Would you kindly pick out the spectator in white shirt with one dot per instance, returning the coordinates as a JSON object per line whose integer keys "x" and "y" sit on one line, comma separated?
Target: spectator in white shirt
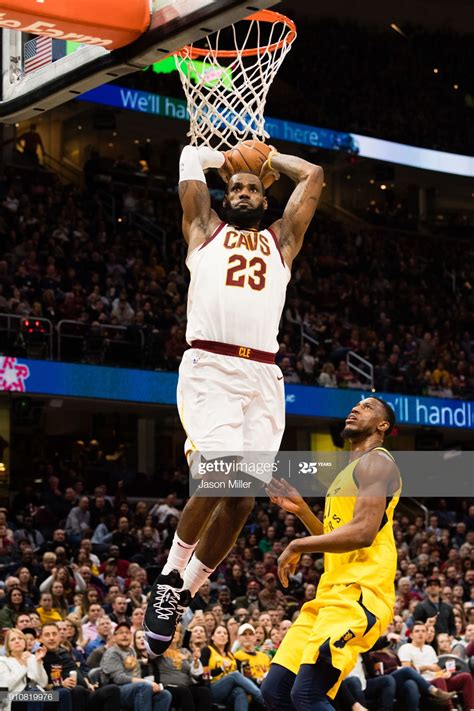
{"x": 162, "y": 511}
{"x": 419, "y": 655}
{"x": 423, "y": 658}
{"x": 19, "y": 666}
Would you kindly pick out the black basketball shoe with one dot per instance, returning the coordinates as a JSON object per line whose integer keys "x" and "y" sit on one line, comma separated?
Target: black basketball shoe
{"x": 166, "y": 606}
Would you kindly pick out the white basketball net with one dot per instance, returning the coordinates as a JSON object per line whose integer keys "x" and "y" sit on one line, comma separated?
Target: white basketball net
{"x": 226, "y": 96}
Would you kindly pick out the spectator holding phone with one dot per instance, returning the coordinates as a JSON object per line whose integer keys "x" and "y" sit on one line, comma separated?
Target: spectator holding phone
{"x": 19, "y": 666}
{"x": 434, "y": 611}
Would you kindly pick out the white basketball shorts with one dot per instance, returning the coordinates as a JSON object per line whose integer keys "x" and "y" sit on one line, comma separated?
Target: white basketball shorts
{"x": 230, "y": 405}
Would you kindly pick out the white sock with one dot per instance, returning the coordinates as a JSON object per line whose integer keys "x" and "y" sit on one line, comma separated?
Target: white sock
{"x": 179, "y": 555}
{"x": 195, "y": 575}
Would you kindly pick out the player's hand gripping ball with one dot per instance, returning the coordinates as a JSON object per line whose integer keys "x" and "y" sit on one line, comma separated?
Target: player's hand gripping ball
{"x": 250, "y": 157}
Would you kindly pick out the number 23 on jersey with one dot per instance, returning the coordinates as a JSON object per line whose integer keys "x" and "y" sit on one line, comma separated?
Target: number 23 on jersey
{"x": 246, "y": 272}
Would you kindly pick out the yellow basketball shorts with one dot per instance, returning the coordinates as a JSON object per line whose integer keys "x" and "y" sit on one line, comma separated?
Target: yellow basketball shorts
{"x": 340, "y": 623}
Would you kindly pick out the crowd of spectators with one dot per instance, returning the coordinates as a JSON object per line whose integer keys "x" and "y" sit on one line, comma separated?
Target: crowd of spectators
{"x": 375, "y": 82}
{"x": 76, "y": 569}
{"x": 403, "y": 303}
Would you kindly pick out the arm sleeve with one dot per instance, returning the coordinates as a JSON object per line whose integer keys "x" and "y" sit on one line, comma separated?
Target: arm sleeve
{"x": 94, "y": 659}
{"x": 420, "y": 614}
{"x": 155, "y": 666}
{"x": 70, "y": 522}
{"x": 205, "y": 656}
{"x": 80, "y": 582}
{"x": 194, "y": 161}
{"x": 112, "y": 666}
{"x": 452, "y": 623}
{"x": 11, "y": 677}
{"x": 196, "y": 671}
{"x": 381, "y": 643}
{"x": 37, "y": 672}
{"x": 404, "y": 654}
{"x": 46, "y": 584}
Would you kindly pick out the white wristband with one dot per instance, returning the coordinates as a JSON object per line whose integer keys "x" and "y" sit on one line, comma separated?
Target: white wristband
{"x": 190, "y": 167}
{"x": 194, "y": 161}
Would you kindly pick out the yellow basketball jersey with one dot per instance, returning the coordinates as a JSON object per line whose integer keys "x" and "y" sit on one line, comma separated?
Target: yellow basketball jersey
{"x": 373, "y": 567}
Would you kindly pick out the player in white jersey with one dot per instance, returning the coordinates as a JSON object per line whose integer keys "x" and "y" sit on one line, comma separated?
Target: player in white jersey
{"x": 230, "y": 392}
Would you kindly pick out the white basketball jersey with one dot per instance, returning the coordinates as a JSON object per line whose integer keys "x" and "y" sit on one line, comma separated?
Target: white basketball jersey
{"x": 237, "y": 290}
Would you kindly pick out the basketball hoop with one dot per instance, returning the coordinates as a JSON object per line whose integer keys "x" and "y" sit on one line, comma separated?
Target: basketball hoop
{"x": 226, "y": 81}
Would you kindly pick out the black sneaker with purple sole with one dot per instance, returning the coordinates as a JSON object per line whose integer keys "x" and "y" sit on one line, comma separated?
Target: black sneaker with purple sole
{"x": 166, "y": 606}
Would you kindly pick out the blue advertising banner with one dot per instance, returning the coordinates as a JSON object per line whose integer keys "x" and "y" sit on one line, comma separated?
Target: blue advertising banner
{"x": 376, "y": 148}
{"x": 409, "y": 409}
{"x": 41, "y": 377}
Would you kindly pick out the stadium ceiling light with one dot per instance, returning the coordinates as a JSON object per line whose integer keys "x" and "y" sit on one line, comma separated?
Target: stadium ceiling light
{"x": 383, "y": 186}
{"x": 397, "y": 29}
{"x": 455, "y": 86}
{"x": 436, "y": 70}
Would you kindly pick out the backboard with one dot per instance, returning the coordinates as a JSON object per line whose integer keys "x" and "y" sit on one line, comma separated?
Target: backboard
{"x": 77, "y": 51}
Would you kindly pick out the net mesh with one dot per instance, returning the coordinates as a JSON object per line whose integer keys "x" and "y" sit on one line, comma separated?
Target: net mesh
{"x": 226, "y": 79}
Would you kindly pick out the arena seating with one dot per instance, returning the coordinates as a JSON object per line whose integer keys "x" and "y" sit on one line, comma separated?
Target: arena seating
{"x": 113, "y": 291}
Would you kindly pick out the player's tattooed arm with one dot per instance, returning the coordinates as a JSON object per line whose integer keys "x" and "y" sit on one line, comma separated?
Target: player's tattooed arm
{"x": 199, "y": 220}
{"x": 302, "y": 204}
{"x": 198, "y": 217}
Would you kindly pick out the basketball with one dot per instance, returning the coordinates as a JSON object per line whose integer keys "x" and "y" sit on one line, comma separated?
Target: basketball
{"x": 249, "y": 157}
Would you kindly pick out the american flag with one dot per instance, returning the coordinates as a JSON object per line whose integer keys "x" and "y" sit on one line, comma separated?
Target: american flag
{"x": 37, "y": 53}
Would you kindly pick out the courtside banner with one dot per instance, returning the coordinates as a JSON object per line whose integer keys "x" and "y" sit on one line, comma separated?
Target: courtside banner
{"x": 41, "y": 377}
{"x": 108, "y": 24}
{"x": 378, "y": 149}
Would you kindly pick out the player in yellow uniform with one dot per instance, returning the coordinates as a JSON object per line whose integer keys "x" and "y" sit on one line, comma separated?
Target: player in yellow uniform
{"x": 355, "y": 596}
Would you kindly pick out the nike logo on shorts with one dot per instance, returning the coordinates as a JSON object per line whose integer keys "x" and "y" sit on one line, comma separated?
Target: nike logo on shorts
{"x": 279, "y": 377}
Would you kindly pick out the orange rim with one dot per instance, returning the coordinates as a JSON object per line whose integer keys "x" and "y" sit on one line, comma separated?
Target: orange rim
{"x": 191, "y": 52}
